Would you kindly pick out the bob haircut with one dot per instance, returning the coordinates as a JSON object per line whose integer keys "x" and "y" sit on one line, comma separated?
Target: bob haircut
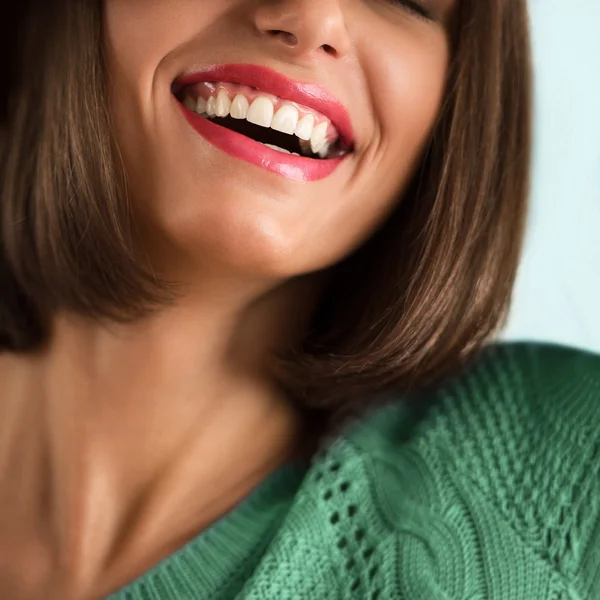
{"x": 410, "y": 306}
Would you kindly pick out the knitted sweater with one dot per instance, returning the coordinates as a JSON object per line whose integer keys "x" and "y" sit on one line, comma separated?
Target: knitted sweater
{"x": 487, "y": 488}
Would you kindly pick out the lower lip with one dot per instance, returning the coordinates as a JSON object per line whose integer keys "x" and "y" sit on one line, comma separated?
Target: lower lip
{"x": 235, "y": 144}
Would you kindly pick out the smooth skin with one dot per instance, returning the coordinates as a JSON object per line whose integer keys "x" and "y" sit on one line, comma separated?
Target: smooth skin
{"x": 118, "y": 443}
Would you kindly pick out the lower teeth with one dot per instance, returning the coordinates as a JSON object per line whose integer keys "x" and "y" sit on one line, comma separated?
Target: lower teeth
{"x": 280, "y": 149}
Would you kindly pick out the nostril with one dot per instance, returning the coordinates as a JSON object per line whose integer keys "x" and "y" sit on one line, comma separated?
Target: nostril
{"x": 291, "y": 40}
{"x": 288, "y": 38}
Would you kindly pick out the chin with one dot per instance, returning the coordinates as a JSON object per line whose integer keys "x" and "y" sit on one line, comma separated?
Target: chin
{"x": 241, "y": 236}
{"x": 222, "y": 215}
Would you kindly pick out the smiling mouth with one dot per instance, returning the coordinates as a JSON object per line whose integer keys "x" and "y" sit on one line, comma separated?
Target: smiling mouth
{"x": 284, "y": 126}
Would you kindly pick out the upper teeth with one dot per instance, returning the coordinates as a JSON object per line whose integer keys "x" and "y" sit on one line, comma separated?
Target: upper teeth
{"x": 261, "y": 111}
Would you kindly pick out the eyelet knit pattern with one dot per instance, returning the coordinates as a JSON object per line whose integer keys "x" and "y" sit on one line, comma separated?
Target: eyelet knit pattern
{"x": 486, "y": 489}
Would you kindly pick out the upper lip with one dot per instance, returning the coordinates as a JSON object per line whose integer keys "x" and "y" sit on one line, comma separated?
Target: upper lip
{"x": 267, "y": 80}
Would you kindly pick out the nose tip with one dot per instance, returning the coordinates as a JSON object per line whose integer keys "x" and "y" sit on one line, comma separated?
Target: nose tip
{"x": 304, "y": 27}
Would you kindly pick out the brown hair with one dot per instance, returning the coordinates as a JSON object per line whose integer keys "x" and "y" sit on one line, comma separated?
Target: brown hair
{"x": 408, "y": 307}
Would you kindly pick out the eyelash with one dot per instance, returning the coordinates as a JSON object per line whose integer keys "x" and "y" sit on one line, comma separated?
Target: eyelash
{"x": 415, "y": 7}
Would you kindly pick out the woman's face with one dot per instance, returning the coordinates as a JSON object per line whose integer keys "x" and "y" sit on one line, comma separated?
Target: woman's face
{"x": 363, "y": 79}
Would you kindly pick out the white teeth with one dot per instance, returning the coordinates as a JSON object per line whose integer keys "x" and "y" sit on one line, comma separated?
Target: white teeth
{"x": 261, "y": 112}
{"x": 305, "y": 127}
{"x": 211, "y": 107}
{"x": 317, "y": 139}
{"x": 308, "y": 150}
{"x": 313, "y": 138}
{"x": 239, "y": 107}
{"x": 200, "y": 107}
{"x": 189, "y": 103}
{"x": 324, "y": 150}
{"x": 223, "y": 104}
{"x": 286, "y": 119}
{"x": 277, "y": 148}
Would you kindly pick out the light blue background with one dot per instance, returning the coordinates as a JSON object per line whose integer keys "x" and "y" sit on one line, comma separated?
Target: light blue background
{"x": 557, "y": 297}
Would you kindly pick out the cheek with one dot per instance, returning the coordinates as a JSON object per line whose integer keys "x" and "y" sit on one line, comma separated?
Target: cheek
{"x": 142, "y": 32}
{"x": 131, "y": 61}
{"x": 139, "y": 37}
{"x": 408, "y": 80}
{"x": 407, "y": 89}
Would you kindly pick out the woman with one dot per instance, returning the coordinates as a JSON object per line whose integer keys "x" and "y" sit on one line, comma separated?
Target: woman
{"x": 233, "y": 370}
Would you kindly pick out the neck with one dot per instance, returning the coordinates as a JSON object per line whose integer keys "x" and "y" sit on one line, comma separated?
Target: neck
{"x": 156, "y": 426}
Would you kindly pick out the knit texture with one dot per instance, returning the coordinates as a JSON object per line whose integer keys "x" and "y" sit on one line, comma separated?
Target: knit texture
{"x": 487, "y": 488}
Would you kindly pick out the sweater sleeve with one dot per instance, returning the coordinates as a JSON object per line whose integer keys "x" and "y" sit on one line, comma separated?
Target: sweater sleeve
{"x": 495, "y": 492}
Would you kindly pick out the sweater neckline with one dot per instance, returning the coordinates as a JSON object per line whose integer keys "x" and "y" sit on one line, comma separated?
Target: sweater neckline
{"x": 216, "y": 550}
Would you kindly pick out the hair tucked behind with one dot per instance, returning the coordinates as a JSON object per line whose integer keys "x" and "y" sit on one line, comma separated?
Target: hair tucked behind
{"x": 405, "y": 309}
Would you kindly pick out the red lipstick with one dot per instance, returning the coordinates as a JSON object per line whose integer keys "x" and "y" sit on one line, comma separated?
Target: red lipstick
{"x": 235, "y": 144}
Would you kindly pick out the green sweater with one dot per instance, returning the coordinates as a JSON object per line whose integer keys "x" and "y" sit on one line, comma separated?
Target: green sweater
{"x": 486, "y": 489}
